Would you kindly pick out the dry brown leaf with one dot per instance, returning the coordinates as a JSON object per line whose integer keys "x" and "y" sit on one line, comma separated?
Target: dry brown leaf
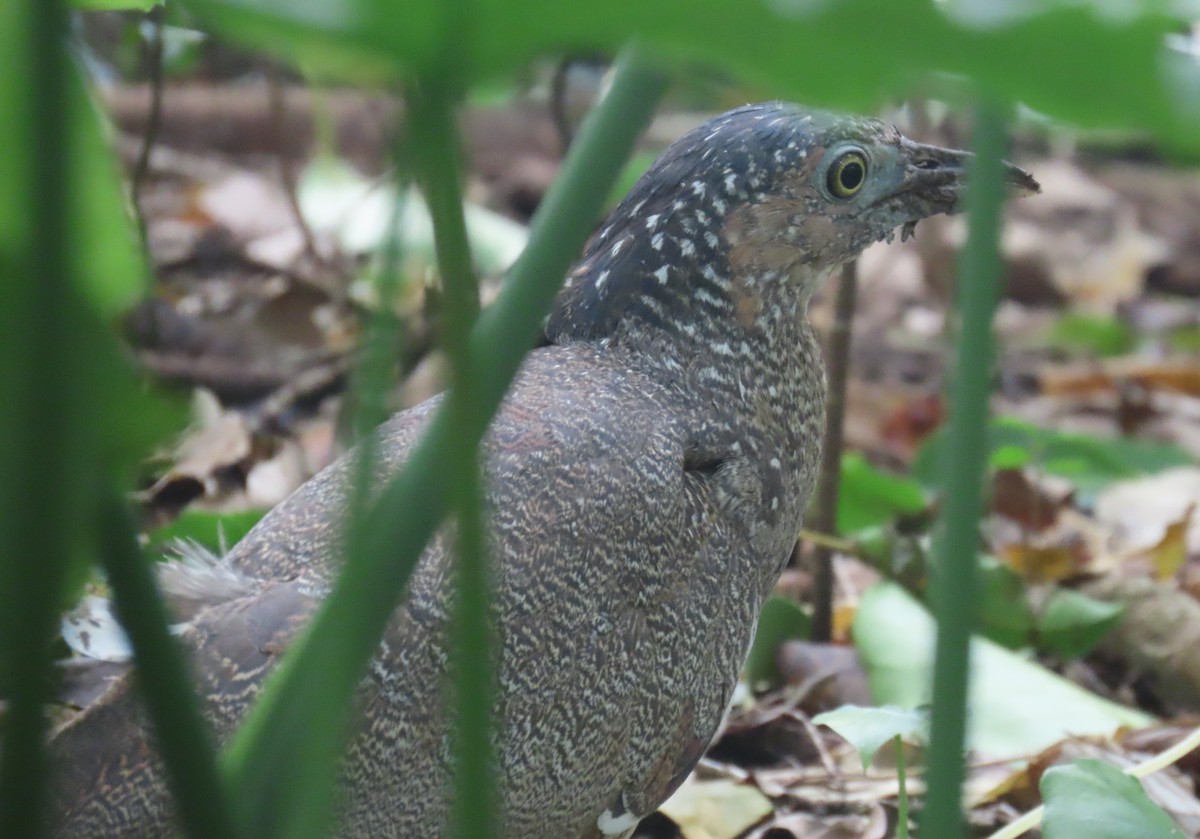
{"x": 1116, "y": 375}
{"x": 1044, "y": 563}
{"x": 1139, "y": 512}
{"x": 221, "y": 443}
{"x": 869, "y": 825}
{"x": 1167, "y": 557}
{"x": 1032, "y": 501}
{"x": 843, "y": 621}
{"x": 910, "y": 422}
{"x": 832, "y": 674}
{"x": 719, "y": 809}
{"x": 1080, "y": 239}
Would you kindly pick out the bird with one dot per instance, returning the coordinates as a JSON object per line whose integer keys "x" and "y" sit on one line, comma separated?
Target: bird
{"x": 645, "y": 481}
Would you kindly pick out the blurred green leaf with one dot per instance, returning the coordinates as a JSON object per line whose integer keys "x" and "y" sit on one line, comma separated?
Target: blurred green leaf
{"x": 1185, "y": 339}
{"x": 1009, "y": 457}
{"x": 115, "y": 5}
{"x": 1089, "y": 462}
{"x": 215, "y": 531}
{"x": 121, "y": 420}
{"x": 1072, "y": 623}
{"x": 869, "y": 729}
{"x": 1069, "y": 49}
{"x": 1097, "y": 800}
{"x": 1017, "y": 706}
{"x": 869, "y": 497}
{"x": 105, "y": 258}
{"x": 781, "y": 620}
{"x": 1100, "y": 336}
{"x": 1005, "y": 614}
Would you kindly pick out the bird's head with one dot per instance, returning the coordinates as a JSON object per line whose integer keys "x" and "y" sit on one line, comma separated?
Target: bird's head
{"x": 840, "y": 183}
{"x": 744, "y": 214}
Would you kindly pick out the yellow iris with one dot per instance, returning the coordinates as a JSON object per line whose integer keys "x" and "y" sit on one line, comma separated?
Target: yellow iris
{"x": 847, "y": 174}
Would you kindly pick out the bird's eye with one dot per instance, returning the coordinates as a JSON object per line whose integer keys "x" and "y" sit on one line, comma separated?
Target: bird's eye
{"x": 847, "y": 174}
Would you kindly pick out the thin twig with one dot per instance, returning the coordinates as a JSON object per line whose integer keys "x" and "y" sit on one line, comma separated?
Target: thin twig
{"x": 828, "y": 482}
{"x": 153, "y": 119}
{"x": 558, "y": 103}
{"x": 277, "y": 109}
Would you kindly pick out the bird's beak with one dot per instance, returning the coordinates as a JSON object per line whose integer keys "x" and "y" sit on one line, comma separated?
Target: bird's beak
{"x": 935, "y": 181}
{"x": 940, "y": 175}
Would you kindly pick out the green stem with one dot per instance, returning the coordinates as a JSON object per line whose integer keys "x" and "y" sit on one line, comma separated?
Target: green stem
{"x": 374, "y": 372}
{"x": 39, "y": 425}
{"x": 180, "y": 732}
{"x": 435, "y": 150}
{"x": 312, "y": 686}
{"x": 957, "y": 543}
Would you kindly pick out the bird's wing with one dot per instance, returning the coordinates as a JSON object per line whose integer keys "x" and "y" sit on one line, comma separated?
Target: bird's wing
{"x": 596, "y": 530}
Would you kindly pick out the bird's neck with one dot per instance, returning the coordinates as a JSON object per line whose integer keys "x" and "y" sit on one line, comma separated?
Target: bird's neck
{"x": 707, "y": 311}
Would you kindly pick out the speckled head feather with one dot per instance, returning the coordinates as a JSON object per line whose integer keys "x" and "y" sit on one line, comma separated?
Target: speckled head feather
{"x": 750, "y": 198}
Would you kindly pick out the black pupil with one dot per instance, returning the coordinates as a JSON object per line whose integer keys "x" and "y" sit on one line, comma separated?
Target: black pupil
{"x": 850, "y": 175}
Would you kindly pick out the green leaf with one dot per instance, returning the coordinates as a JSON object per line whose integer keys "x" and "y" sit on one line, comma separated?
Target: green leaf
{"x": 1017, "y": 706}
{"x": 1185, "y": 339}
{"x": 869, "y": 497}
{"x": 1102, "y": 336}
{"x": 116, "y": 5}
{"x": 868, "y": 729}
{"x": 1095, "y": 799}
{"x": 1072, "y": 623}
{"x": 105, "y": 258}
{"x": 781, "y": 45}
{"x": 215, "y": 531}
{"x": 1089, "y": 462}
{"x": 1005, "y": 614}
{"x": 1009, "y": 457}
{"x": 781, "y": 620}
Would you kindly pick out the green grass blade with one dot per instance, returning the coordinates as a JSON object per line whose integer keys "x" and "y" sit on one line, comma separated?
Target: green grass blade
{"x": 435, "y": 150}
{"x": 39, "y": 394}
{"x": 954, "y": 593}
{"x": 183, "y": 738}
